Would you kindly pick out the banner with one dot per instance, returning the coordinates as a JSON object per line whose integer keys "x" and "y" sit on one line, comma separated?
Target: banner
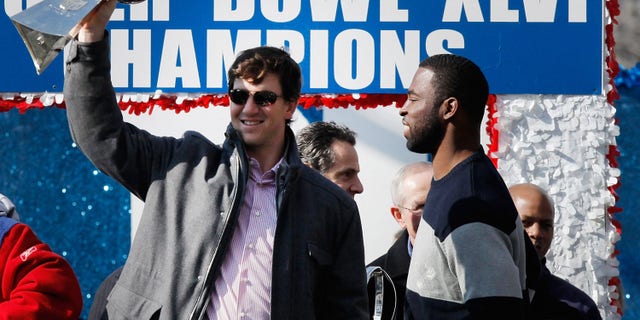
{"x": 343, "y": 46}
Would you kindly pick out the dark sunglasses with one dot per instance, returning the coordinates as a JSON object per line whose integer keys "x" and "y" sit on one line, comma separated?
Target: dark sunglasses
{"x": 261, "y": 98}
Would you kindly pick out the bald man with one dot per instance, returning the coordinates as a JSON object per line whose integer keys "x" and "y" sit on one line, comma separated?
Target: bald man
{"x": 537, "y": 213}
{"x": 409, "y": 190}
{"x": 554, "y": 297}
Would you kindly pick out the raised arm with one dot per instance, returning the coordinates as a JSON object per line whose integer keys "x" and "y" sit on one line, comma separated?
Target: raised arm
{"x": 92, "y": 28}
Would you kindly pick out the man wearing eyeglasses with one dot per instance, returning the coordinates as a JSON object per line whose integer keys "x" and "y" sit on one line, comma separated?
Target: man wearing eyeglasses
{"x": 409, "y": 189}
{"x": 242, "y": 230}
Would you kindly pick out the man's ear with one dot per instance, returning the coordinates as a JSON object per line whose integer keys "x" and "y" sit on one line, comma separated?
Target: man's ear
{"x": 291, "y": 108}
{"x": 451, "y": 106}
{"x": 397, "y": 215}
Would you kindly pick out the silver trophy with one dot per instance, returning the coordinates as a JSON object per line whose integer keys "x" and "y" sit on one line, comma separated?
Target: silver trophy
{"x": 49, "y": 25}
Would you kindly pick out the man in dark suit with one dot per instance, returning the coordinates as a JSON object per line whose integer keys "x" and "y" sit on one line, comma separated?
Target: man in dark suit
{"x": 554, "y": 298}
{"x": 409, "y": 190}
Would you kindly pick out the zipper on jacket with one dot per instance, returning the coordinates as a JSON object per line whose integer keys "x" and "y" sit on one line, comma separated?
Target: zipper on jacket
{"x": 202, "y": 298}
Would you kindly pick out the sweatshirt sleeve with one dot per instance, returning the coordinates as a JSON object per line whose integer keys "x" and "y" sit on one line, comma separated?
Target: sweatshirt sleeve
{"x": 491, "y": 282}
{"x": 36, "y": 283}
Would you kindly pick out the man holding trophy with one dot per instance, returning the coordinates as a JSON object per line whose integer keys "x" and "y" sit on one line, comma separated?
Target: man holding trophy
{"x": 242, "y": 230}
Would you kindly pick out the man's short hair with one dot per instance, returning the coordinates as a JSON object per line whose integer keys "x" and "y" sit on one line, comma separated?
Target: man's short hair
{"x": 252, "y": 65}
{"x": 457, "y": 76}
{"x": 315, "y": 140}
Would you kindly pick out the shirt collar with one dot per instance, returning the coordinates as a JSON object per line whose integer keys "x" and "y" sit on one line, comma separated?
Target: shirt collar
{"x": 256, "y": 174}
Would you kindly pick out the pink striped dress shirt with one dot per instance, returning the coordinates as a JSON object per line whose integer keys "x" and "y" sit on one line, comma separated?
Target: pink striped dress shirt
{"x": 243, "y": 287}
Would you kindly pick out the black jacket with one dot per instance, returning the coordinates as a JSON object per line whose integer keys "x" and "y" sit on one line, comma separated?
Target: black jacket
{"x": 557, "y": 299}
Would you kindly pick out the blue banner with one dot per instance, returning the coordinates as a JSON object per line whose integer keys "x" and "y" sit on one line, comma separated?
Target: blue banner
{"x": 343, "y": 46}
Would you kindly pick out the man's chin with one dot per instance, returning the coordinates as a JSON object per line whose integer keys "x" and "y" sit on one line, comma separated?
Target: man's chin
{"x": 416, "y": 149}
{"x": 539, "y": 250}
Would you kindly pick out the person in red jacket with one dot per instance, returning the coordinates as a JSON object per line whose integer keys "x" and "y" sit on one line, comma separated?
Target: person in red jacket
{"x": 35, "y": 282}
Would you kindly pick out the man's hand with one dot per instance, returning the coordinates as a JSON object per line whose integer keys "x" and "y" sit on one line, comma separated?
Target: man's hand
{"x": 91, "y": 29}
